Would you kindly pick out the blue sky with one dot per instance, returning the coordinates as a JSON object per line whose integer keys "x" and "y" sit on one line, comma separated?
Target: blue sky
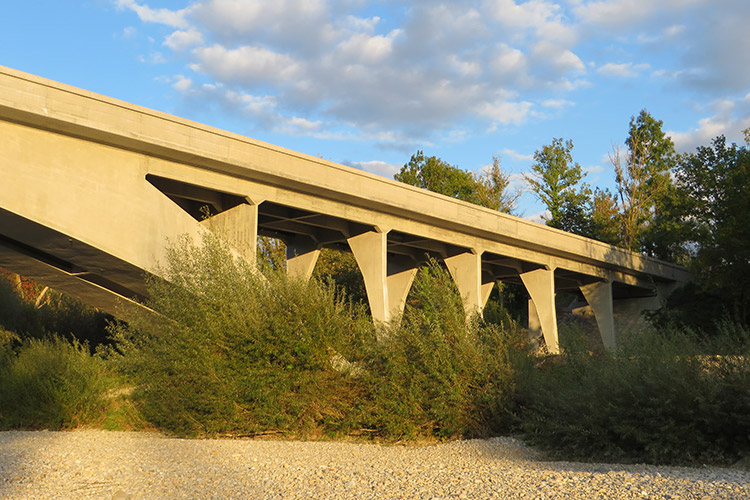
{"x": 368, "y": 83}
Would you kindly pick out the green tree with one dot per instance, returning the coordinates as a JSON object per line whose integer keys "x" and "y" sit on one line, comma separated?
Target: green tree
{"x": 642, "y": 174}
{"x": 489, "y": 189}
{"x": 556, "y": 180}
{"x": 712, "y": 184}
{"x": 604, "y": 217}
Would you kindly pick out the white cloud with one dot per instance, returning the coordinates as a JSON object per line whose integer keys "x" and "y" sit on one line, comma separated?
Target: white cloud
{"x": 247, "y": 65}
{"x": 729, "y": 119}
{"x": 539, "y": 217}
{"x": 181, "y": 40}
{"x": 557, "y": 103}
{"x": 512, "y": 153}
{"x": 153, "y": 58}
{"x": 377, "y": 167}
{"x": 505, "y": 112}
{"x": 176, "y": 19}
{"x": 622, "y": 70}
{"x": 182, "y": 84}
{"x": 418, "y": 75}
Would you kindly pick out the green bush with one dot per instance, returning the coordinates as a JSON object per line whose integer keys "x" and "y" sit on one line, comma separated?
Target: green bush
{"x": 664, "y": 397}
{"x": 239, "y": 352}
{"x": 440, "y": 374}
{"x": 58, "y": 312}
{"x": 50, "y": 384}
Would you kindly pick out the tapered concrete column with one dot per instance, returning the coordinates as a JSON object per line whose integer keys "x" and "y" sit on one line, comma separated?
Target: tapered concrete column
{"x": 387, "y": 281}
{"x": 302, "y": 253}
{"x": 401, "y": 272}
{"x": 599, "y": 297}
{"x": 370, "y": 252}
{"x": 535, "y": 327}
{"x": 540, "y": 284}
{"x": 466, "y": 270}
{"x": 238, "y": 226}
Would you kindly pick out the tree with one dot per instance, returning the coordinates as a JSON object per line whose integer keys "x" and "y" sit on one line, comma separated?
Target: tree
{"x": 556, "y": 180}
{"x": 642, "y": 174}
{"x": 489, "y": 189}
{"x": 712, "y": 184}
{"x": 603, "y": 216}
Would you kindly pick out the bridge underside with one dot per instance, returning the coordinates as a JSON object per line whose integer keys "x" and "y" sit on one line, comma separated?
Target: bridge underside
{"x": 90, "y": 212}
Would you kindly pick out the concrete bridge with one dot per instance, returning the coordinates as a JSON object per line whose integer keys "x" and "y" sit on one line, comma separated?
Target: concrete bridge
{"x": 92, "y": 188}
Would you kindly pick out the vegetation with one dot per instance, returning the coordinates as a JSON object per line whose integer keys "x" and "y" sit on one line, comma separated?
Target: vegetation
{"x": 243, "y": 353}
{"x": 664, "y": 397}
{"x": 489, "y": 189}
{"x": 557, "y": 184}
{"x": 49, "y": 384}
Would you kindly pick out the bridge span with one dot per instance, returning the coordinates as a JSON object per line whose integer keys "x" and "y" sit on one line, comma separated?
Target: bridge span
{"x": 91, "y": 189}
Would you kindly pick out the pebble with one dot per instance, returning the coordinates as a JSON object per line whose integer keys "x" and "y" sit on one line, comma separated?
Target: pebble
{"x": 102, "y": 465}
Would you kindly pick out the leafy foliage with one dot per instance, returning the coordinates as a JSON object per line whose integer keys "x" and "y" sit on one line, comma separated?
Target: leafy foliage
{"x": 490, "y": 189}
{"x": 33, "y": 311}
{"x": 241, "y": 353}
{"x": 642, "y": 175}
{"x": 439, "y": 373}
{"x": 709, "y": 221}
{"x": 663, "y": 398}
{"x": 50, "y": 384}
{"x": 556, "y": 181}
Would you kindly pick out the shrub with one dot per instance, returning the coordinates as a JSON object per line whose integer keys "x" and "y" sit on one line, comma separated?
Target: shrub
{"x": 439, "y": 374}
{"x": 56, "y": 312}
{"x": 664, "y": 397}
{"x": 239, "y": 352}
{"x": 50, "y": 384}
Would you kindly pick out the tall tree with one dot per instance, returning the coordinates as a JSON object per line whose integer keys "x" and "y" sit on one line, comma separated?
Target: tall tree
{"x": 603, "y": 215}
{"x": 642, "y": 174}
{"x": 713, "y": 187}
{"x": 556, "y": 180}
{"x": 488, "y": 189}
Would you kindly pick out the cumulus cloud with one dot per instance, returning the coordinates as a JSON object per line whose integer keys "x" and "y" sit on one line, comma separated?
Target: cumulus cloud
{"x": 181, "y": 40}
{"x": 174, "y": 18}
{"x": 376, "y": 167}
{"x": 623, "y": 70}
{"x": 335, "y": 67}
{"x": 515, "y": 155}
{"x": 422, "y": 71}
{"x": 729, "y": 118}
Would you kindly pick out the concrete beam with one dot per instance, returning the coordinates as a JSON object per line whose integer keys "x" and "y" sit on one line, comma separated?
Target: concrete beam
{"x": 540, "y": 284}
{"x": 599, "y": 297}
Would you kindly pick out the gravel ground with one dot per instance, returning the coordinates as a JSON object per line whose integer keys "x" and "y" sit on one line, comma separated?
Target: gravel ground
{"x": 123, "y": 465}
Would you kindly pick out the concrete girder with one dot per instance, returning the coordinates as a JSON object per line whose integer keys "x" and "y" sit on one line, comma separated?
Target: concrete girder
{"x": 540, "y": 284}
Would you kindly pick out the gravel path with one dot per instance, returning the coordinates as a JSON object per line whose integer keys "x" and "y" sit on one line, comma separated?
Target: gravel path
{"x": 122, "y": 465}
